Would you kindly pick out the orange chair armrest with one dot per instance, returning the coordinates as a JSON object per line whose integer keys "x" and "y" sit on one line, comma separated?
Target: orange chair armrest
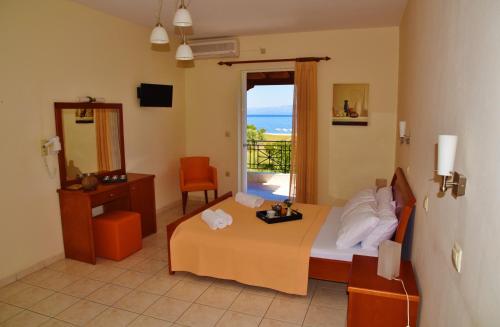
{"x": 213, "y": 175}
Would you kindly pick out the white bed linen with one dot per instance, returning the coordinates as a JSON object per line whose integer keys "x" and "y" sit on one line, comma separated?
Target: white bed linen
{"x": 324, "y": 246}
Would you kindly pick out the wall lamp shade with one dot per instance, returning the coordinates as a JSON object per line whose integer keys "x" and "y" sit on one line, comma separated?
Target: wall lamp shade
{"x": 159, "y": 35}
{"x": 184, "y": 52}
{"x": 447, "y": 146}
{"x": 182, "y": 18}
{"x": 402, "y": 128}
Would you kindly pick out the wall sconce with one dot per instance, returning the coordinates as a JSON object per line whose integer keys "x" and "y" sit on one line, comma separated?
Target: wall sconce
{"x": 402, "y": 133}
{"x": 447, "y": 146}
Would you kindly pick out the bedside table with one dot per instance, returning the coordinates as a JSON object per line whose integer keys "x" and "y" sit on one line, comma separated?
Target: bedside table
{"x": 375, "y": 301}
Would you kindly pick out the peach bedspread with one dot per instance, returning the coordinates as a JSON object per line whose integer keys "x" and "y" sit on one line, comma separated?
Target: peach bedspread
{"x": 250, "y": 251}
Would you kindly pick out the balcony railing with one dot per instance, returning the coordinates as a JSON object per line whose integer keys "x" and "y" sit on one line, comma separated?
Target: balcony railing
{"x": 272, "y": 156}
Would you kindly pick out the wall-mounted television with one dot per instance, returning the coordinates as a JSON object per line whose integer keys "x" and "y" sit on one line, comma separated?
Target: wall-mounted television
{"x": 155, "y": 95}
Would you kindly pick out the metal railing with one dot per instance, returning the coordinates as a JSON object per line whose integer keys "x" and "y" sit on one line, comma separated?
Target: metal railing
{"x": 272, "y": 156}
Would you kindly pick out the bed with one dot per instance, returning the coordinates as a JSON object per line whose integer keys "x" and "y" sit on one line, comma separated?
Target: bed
{"x": 325, "y": 261}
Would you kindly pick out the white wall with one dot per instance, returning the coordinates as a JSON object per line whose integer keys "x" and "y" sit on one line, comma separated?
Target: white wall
{"x": 57, "y": 50}
{"x": 450, "y": 83}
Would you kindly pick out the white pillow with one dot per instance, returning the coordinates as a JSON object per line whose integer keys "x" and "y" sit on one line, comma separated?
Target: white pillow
{"x": 384, "y": 195}
{"x": 385, "y": 228}
{"x": 356, "y": 226}
{"x": 363, "y": 196}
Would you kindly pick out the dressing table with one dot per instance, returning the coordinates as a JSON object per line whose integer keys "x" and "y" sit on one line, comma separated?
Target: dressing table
{"x": 91, "y": 136}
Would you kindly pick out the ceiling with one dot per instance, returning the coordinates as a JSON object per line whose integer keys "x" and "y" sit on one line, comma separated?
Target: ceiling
{"x": 217, "y": 18}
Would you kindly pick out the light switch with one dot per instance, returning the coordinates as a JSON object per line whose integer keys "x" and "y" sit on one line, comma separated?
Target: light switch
{"x": 426, "y": 203}
{"x": 227, "y": 174}
{"x": 456, "y": 256}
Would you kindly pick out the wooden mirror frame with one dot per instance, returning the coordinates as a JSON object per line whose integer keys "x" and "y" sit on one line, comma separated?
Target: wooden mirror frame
{"x": 58, "y": 107}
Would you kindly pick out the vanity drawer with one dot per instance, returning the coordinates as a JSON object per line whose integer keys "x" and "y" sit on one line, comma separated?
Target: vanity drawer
{"x": 115, "y": 193}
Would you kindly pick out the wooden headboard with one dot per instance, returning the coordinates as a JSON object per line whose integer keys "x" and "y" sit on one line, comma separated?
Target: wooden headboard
{"x": 405, "y": 202}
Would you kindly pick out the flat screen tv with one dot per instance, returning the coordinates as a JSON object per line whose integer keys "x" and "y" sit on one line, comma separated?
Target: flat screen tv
{"x": 155, "y": 95}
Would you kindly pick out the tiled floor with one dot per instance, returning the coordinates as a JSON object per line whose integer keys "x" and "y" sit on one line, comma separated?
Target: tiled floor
{"x": 138, "y": 291}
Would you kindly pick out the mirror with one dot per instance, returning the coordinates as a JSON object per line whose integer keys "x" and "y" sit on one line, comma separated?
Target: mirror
{"x": 92, "y": 140}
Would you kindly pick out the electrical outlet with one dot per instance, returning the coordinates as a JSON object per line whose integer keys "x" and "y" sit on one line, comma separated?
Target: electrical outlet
{"x": 456, "y": 256}
{"x": 44, "y": 150}
{"x": 426, "y": 203}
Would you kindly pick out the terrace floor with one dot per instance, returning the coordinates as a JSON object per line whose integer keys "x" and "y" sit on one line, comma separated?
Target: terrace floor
{"x": 270, "y": 186}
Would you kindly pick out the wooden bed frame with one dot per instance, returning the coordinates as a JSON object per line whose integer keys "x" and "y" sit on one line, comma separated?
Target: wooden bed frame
{"x": 326, "y": 269}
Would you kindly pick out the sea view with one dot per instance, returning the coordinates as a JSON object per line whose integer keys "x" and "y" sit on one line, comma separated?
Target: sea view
{"x": 275, "y": 124}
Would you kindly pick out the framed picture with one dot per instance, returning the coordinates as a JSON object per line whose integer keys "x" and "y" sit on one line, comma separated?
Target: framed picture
{"x": 350, "y": 104}
{"x": 84, "y": 116}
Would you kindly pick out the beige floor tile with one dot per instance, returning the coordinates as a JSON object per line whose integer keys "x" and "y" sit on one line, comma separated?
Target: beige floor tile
{"x": 325, "y": 317}
{"x": 146, "y": 321}
{"x": 159, "y": 284}
{"x": 161, "y": 255}
{"x": 218, "y": 297}
{"x": 252, "y": 304}
{"x": 58, "y": 282}
{"x": 40, "y": 275}
{"x": 11, "y": 289}
{"x": 187, "y": 291}
{"x": 341, "y": 287}
{"x": 136, "y": 301}
{"x": 167, "y": 309}
{"x": 295, "y": 298}
{"x": 147, "y": 251}
{"x": 289, "y": 311}
{"x": 113, "y": 317}
{"x": 105, "y": 273}
{"x": 231, "y": 319}
{"x": 131, "y": 279}
{"x": 128, "y": 262}
{"x": 82, "y": 287}
{"x": 81, "y": 312}
{"x": 72, "y": 267}
{"x": 276, "y": 323}
{"x": 25, "y": 319}
{"x": 229, "y": 284}
{"x": 199, "y": 279}
{"x": 108, "y": 294}
{"x": 330, "y": 297}
{"x": 56, "y": 323}
{"x": 260, "y": 291}
{"x": 150, "y": 266}
{"x": 29, "y": 296}
{"x": 54, "y": 304}
{"x": 200, "y": 316}
{"x": 8, "y": 311}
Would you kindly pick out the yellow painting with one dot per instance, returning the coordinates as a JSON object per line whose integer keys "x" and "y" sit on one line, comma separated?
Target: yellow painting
{"x": 350, "y": 104}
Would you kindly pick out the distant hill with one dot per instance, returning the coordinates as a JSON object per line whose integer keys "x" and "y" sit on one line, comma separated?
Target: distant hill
{"x": 280, "y": 110}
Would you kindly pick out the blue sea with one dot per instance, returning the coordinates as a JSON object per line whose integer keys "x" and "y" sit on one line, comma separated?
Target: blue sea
{"x": 275, "y": 124}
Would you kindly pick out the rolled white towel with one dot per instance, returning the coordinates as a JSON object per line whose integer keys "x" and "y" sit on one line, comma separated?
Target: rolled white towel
{"x": 249, "y": 200}
{"x": 213, "y": 220}
{"x": 227, "y": 217}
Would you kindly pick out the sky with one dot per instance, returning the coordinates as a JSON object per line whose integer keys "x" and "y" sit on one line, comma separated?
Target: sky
{"x": 270, "y": 96}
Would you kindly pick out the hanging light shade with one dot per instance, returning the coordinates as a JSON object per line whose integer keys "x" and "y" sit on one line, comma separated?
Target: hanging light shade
{"x": 159, "y": 35}
{"x": 184, "y": 52}
{"x": 182, "y": 16}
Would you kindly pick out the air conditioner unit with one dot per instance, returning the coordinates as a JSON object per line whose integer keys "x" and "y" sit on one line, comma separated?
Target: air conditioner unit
{"x": 215, "y": 48}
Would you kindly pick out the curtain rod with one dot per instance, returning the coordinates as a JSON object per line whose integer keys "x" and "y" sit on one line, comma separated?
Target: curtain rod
{"x": 302, "y": 59}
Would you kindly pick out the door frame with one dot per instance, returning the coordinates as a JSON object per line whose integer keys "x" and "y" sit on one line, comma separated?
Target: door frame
{"x": 242, "y": 123}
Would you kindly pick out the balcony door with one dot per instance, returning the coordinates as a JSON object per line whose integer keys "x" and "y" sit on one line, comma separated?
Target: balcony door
{"x": 265, "y": 134}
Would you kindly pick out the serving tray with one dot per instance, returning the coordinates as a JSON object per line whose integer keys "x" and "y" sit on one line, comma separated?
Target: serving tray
{"x": 262, "y": 215}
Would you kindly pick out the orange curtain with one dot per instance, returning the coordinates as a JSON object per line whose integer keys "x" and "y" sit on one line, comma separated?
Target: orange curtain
{"x": 102, "y": 140}
{"x": 303, "y": 171}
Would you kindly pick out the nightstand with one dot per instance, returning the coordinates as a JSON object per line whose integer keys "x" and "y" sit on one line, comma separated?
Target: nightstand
{"x": 375, "y": 301}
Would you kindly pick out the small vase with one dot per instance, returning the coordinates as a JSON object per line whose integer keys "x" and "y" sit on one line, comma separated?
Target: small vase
{"x": 89, "y": 182}
{"x": 288, "y": 211}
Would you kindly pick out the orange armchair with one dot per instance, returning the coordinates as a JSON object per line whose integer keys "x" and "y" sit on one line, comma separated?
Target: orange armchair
{"x": 196, "y": 174}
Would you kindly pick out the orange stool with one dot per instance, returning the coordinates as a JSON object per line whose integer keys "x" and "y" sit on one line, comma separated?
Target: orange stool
{"x": 117, "y": 234}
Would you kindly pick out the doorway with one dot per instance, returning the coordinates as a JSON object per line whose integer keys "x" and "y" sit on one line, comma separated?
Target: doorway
{"x": 267, "y": 117}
